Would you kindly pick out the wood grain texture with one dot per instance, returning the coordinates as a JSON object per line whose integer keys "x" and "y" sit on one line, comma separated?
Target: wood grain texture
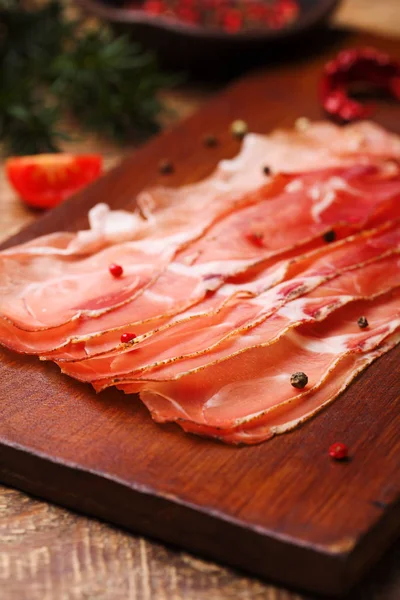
{"x": 50, "y": 553}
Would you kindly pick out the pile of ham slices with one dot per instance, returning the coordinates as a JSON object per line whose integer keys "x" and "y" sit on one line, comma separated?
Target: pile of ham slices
{"x": 229, "y": 286}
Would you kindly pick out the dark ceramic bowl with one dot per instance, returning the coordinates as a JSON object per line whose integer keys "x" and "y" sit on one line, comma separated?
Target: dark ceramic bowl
{"x": 186, "y": 46}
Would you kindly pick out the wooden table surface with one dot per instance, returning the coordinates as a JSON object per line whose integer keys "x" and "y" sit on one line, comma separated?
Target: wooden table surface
{"x": 48, "y": 553}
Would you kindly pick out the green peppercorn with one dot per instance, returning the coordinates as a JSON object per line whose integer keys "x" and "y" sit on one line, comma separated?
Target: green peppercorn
{"x": 302, "y": 124}
{"x": 239, "y": 129}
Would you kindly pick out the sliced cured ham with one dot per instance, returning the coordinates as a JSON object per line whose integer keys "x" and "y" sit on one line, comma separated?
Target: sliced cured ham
{"x": 358, "y": 140}
{"x": 266, "y": 274}
{"x": 230, "y": 284}
{"x": 317, "y": 305}
{"x": 242, "y": 388}
{"x": 195, "y": 341}
{"x": 164, "y": 228}
{"x": 154, "y": 310}
{"x": 48, "y": 290}
{"x": 41, "y": 342}
{"x": 309, "y": 205}
{"x": 286, "y": 417}
{"x": 321, "y": 145}
{"x": 303, "y": 209}
{"x": 151, "y": 301}
{"x": 41, "y": 290}
{"x": 178, "y": 287}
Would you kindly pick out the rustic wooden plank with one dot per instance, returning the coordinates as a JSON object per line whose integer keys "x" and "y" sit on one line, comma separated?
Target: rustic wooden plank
{"x": 387, "y": 590}
{"x": 49, "y": 553}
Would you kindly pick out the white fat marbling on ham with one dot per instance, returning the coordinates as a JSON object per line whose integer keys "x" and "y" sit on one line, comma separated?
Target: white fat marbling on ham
{"x": 244, "y": 322}
{"x": 327, "y": 199}
{"x": 325, "y": 194}
{"x": 296, "y": 186}
{"x": 330, "y": 345}
{"x": 294, "y": 311}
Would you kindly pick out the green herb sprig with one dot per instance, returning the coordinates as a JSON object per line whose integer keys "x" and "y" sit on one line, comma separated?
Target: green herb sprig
{"x": 51, "y": 66}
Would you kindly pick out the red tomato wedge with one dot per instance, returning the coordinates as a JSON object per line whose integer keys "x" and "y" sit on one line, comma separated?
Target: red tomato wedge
{"x": 45, "y": 180}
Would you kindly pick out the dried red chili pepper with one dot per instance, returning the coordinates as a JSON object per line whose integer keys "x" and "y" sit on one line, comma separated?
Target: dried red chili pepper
{"x": 367, "y": 67}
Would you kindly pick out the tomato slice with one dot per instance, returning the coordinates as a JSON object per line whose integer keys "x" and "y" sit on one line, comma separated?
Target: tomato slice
{"x": 45, "y": 180}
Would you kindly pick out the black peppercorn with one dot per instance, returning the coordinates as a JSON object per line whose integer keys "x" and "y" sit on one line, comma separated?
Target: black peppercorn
{"x": 166, "y": 167}
{"x": 362, "y": 322}
{"x": 299, "y": 380}
{"x": 329, "y": 236}
{"x": 210, "y": 140}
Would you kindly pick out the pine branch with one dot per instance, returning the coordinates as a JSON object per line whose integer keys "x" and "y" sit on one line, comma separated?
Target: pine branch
{"x": 50, "y": 65}
{"x": 109, "y": 85}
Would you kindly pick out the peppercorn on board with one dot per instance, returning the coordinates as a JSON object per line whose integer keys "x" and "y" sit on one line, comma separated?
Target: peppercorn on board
{"x": 283, "y": 509}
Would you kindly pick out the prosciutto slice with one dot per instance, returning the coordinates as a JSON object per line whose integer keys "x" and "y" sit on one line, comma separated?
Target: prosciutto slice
{"x": 303, "y": 209}
{"x": 230, "y": 284}
{"x": 242, "y": 388}
{"x": 48, "y": 290}
{"x": 156, "y": 311}
{"x": 40, "y": 290}
{"x": 309, "y": 206}
{"x": 313, "y": 144}
{"x": 158, "y": 226}
{"x": 320, "y": 145}
{"x": 288, "y": 416}
{"x": 316, "y": 306}
{"x": 196, "y": 341}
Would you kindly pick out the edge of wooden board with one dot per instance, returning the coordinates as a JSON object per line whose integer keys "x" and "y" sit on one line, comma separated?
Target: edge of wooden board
{"x": 144, "y": 511}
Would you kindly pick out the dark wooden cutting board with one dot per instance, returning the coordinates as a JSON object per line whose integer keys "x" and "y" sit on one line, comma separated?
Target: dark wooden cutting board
{"x": 281, "y": 510}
